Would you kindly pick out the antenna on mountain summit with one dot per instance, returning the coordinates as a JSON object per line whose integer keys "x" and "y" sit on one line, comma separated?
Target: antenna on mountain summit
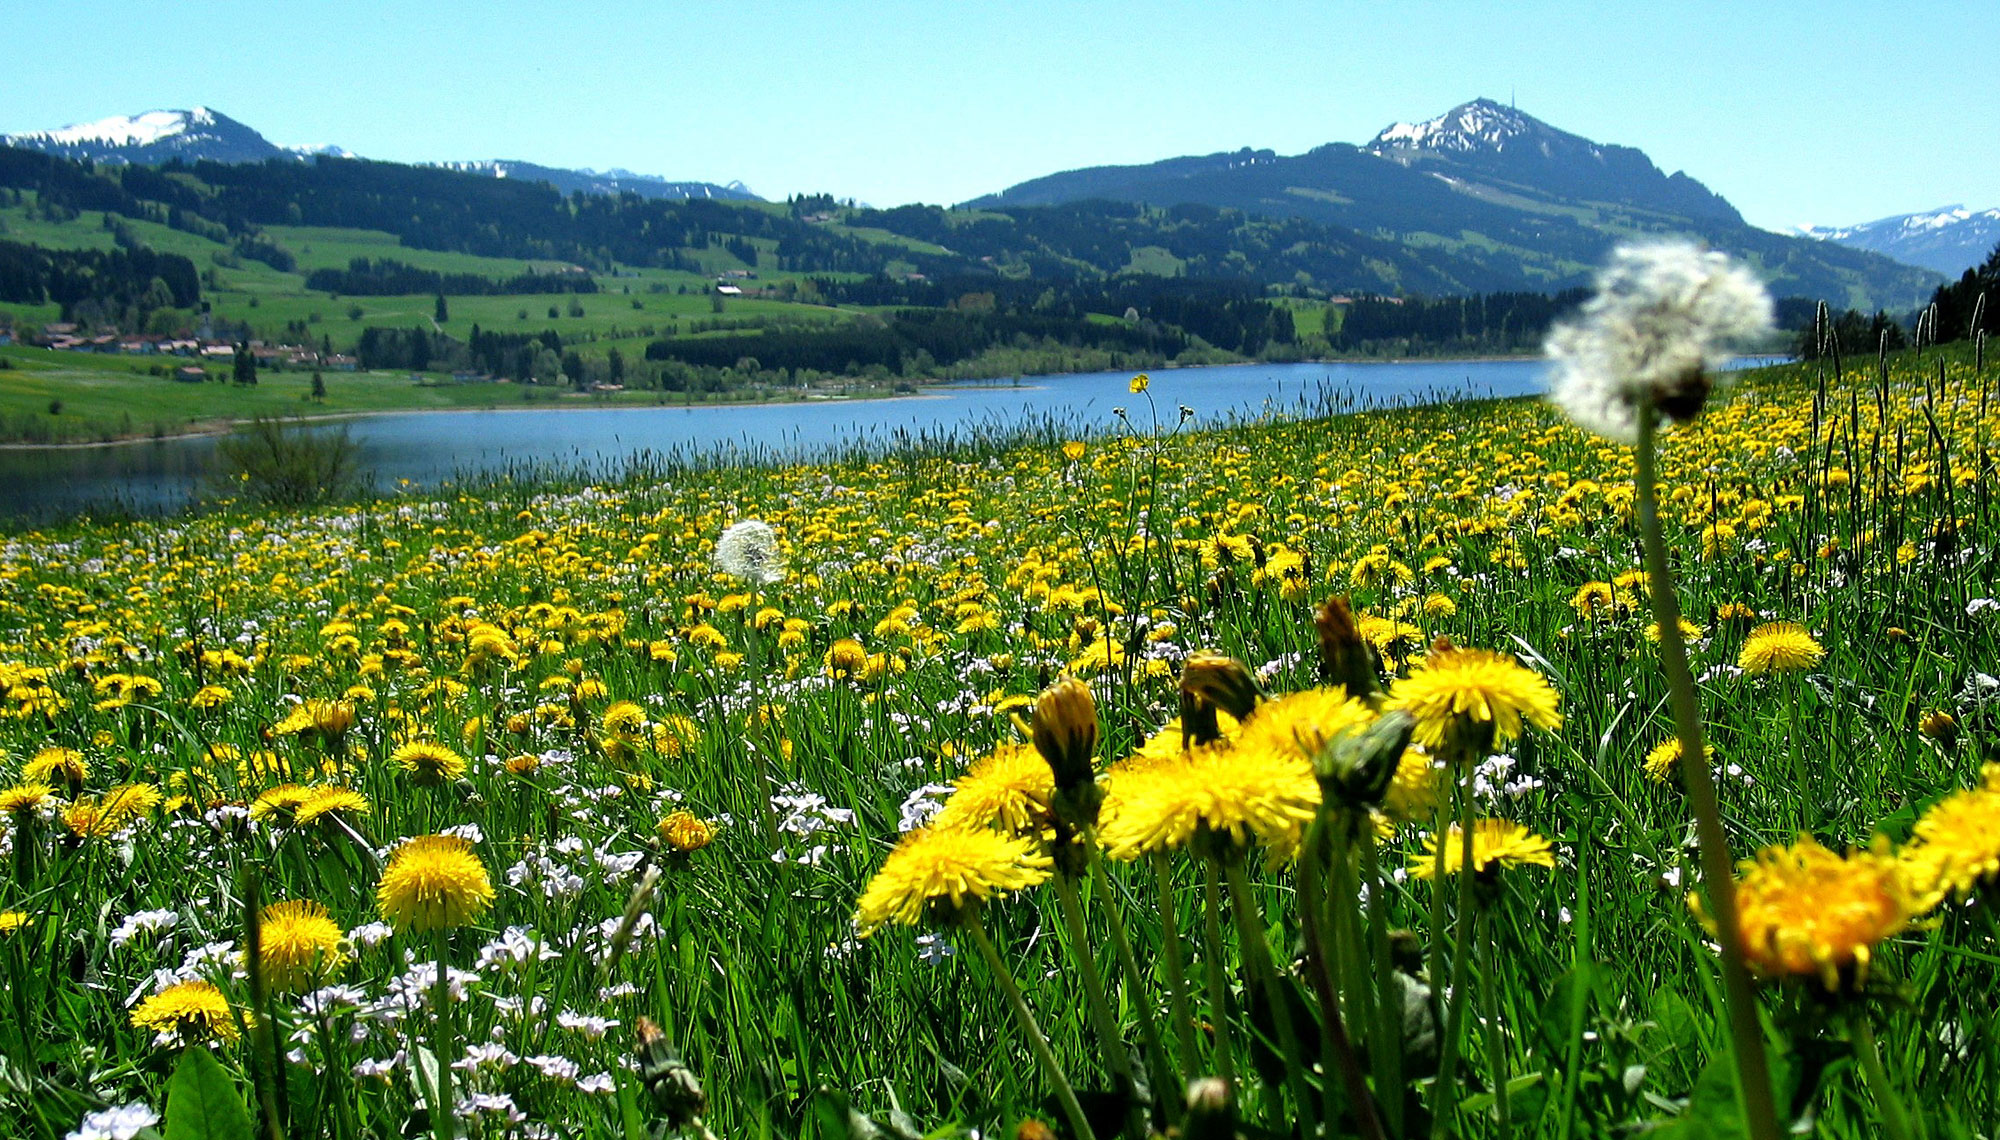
{"x": 1510, "y": 100}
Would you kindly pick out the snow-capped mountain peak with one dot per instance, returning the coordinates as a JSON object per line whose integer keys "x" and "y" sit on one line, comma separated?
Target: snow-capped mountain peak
{"x": 125, "y": 130}
{"x": 1949, "y": 239}
{"x": 1481, "y": 125}
{"x": 153, "y": 136}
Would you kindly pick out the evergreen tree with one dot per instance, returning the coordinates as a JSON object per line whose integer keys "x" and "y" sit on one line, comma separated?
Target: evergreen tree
{"x": 443, "y": 310}
{"x": 616, "y": 363}
{"x": 245, "y": 365}
{"x": 318, "y": 388}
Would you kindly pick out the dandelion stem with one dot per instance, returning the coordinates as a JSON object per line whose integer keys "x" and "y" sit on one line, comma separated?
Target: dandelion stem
{"x": 1496, "y": 1045}
{"x": 1165, "y": 1080}
{"x": 1257, "y": 959}
{"x": 1065, "y": 1095}
{"x": 1895, "y": 1119}
{"x": 441, "y": 1041}
{"x": 1218, "y": 987}
{"x": 1385, "y": 1045}
{"x": 1718, "y": 876}
{"x": 1446, "y": 1091}
{"x": 1170, "y": 947}
{"x": 1116, "y": 1058}
{"x": 1336, "y": 1049}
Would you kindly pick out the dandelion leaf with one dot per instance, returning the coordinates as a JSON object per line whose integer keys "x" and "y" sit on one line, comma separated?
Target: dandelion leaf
{"x": 203, "y": 1102}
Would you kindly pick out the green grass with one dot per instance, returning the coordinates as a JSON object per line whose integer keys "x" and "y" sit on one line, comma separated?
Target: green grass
{"x": 1597, "y": 1012}
{"x": 115, "y": 397}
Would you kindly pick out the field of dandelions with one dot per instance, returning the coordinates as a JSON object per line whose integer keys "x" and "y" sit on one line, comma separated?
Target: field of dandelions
{"x": 1086, "y": 788}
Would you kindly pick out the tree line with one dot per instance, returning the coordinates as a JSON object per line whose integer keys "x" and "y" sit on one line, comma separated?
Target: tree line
{"x": 386, "y": 277}
{"x": 135, "y": 277}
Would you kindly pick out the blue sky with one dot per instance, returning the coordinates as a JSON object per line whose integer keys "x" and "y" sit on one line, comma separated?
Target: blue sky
{"x": 1830, "y": 111}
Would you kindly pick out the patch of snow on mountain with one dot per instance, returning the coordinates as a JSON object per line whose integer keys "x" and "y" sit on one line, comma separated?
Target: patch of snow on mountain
{"x": 128, "y": 130}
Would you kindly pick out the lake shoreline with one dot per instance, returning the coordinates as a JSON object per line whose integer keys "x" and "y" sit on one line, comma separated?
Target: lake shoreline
{"x": 925, "y": 392}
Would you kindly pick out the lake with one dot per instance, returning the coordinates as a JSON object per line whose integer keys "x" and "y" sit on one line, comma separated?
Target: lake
{"x": 432, "y": 447}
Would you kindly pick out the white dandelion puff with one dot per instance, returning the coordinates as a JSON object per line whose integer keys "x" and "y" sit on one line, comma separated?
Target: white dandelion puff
{"x": 1665, "y": 316}
{"x": 749, "y": 550}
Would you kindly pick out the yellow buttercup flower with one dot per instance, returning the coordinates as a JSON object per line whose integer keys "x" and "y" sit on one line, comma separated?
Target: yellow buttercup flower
{"x": 1453, "y": 687}
{"x": 1140, "y": 383}
{"x": 1496, "y": 843}
{"x": 433, "y": 882}
{"x": 300, "y": 944}
{"x": 950, "y": 866}
{"x": 12, "y": 920}
{"x": 1779, "y": 647}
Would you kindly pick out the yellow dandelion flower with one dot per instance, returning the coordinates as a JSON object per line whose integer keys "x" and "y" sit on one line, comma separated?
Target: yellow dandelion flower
{"x": 1956, "y": 842}
{"x": 1261, "y": 794}
{"x": 187, "y": 1012}
{"x": 1806, "y": 911}
{"x": 280, "y": 804}
{"x": 1299, "y": 725}
{"x": 684, "y": 831}
{"x": 300, "y": 944}
{"x": 24, "y": 798}
{"x": 428, "y": 762}
{"x": 1455, "y": 687}
{"x": 210, "y": 697}
{"x": 433, "y": 882}
{"x": 334, "y": 802}
{"x": 1778, "y": 647}
{"x": 847, "y": 660}
{"x": 1689, "y": 631}
{"x": 624, "y": 718}
{"x": 52, "y": 765}
{"x": 950, "y": 866}
{"x": 1496, "y": 843}
{"x": 12, "y": 920}
{"x": 1413, "y": 790}
{"x": 1008, "y": 788}
{"x": 1664, "y": 761}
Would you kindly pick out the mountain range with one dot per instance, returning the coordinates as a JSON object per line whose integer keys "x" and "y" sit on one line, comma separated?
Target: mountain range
{"x": 1497, "y": 188}
{"x": 1484, "y": 197}
{"x": 1950, "y": 239}
{"x": 203, "y": 133}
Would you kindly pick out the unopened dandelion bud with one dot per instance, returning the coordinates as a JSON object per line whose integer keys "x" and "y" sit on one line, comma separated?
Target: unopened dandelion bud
{"x": 674, "y": 1088}
{"x": 1065, "y": 732}
{"x": 1356, "y": 766}
{"x": 1346, "y": 658}
{"x": 1220, "y": 682}
{"x": 1211, "y": 1111}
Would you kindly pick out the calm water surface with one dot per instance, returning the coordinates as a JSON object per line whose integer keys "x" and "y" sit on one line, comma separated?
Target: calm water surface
{"x": 431, "y": 447}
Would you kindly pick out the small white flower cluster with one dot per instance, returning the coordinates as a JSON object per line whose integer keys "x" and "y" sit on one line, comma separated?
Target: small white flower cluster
{"x": 1664, "y": 315}
{"x": 122, "y": 1122}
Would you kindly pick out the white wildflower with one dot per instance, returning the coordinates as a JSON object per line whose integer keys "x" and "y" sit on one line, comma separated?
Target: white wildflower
{"x": 122, "y": 1122}
{"x": 1663, "y": 317}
